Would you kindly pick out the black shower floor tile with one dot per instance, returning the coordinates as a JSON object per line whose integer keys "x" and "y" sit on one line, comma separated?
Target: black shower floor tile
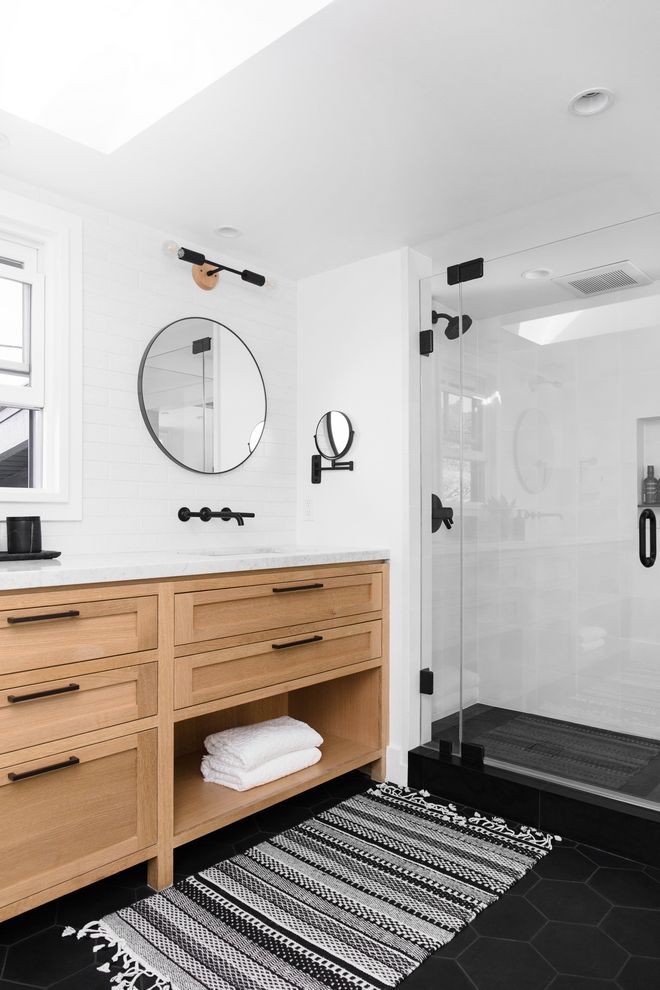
{"x": 581, "y": 920}
{"x": 568, "y": 750}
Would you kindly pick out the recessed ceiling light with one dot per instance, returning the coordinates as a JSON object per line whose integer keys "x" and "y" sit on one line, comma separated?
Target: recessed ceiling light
{"x": 536, "y": 273}
{"x": 4, "y": 141}
{"x": 131, "y": 63}
{"x": 591, "y": 101}
{"x": 228, "y": 231}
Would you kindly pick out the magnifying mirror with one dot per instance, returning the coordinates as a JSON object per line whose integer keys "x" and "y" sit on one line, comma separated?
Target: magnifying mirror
{"x": 334, "y": 435}
{"x": 333, "y": 439}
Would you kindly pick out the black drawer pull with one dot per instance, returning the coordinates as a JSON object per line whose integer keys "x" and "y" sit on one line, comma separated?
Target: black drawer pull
{"x": 298, "y": 587}
{"x": 71, "y": 762}
{"x": 14, "y": 620}
{"x": 297, "y": 642}
{"x": 13, "y": 699}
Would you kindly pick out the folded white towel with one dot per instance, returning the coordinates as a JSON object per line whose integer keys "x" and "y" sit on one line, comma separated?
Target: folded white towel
{"x": 215, "y": 772}
{"x": 249, "y": 746}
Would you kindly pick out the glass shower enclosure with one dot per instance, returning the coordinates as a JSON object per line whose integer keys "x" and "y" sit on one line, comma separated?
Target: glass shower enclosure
{"x": 541, "y": 447}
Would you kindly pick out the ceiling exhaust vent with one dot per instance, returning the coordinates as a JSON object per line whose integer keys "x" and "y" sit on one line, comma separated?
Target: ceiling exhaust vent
{"x": 607, "y": 278}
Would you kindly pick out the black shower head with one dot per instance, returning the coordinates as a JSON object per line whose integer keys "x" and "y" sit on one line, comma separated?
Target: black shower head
{"x": 451, "y": 330}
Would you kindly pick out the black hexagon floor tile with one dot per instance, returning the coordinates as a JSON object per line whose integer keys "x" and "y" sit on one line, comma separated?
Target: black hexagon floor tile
{"x": 86, "y": 979}
{"x": 565, "y": 863}
{"x": 602, "y": 858}
{"x": 27, "y": 924}
{"x": 498, "y": 964}
{"x": 640, "y": 974}
{"x": 525, "y": 884}
{"x": 579, "y": 950}
{"x": 627, "y": 888}
{"x": 437, "y": 973}
{"x": 45, "y": 958}
{"x": 566, "y": 900}
{"x": 580, "y": 983}
{"x": 636, "y": 929}
{"x": 91, "y": 903}
{"x": 509, "y": 917}
{"x": 458, "y": 944}
{"x": 196, "y": 856}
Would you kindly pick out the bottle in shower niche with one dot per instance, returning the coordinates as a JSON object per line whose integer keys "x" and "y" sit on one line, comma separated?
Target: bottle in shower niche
{"x": 650, "y": 488}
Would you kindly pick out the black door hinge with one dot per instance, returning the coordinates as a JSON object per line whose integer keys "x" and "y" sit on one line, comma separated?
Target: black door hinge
{"x": 426, "y": 342}
{"x": 426, "y": 681}
{"x": 466, "y": 271}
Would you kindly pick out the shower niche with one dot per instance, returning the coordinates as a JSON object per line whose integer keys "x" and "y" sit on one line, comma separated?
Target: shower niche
{"x": 648, "y": 456}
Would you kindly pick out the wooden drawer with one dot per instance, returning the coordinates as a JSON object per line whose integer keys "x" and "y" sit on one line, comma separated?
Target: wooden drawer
{"x": 209, "y": 615}
{"x": 31, "y": 714}
{"x": 222, "y": 673}
{"x": 57, "y": 634}
{"x": 62, "y": 823}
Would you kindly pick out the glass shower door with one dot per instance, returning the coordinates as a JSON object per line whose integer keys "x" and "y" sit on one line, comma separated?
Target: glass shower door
{"x": 448, "y": 428}
{"x": 558, "y": 630}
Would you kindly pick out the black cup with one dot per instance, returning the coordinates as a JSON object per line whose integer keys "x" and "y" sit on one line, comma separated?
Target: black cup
{"x": 24, "y": 534}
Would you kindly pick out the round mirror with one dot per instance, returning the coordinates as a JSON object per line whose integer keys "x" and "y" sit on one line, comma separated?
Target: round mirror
{"x": 534, "y": 448}
{"x": 334, "y": 435}
{"x": 202, "y": 395}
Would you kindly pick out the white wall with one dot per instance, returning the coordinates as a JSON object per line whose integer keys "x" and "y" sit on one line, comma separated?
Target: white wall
{"x": 131, "y": 491}
{"x": 358, "y": 353}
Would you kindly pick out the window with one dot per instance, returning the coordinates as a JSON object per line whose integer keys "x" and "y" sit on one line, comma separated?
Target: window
{"x": 40, "y": 360}
{"x": 21, "y": 367}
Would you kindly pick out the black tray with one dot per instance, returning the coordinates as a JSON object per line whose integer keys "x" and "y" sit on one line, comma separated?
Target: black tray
{"x": 43, "y": 555}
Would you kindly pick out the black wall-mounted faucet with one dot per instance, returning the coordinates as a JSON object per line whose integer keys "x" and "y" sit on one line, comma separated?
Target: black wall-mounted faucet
{"x": 206, "y": 514}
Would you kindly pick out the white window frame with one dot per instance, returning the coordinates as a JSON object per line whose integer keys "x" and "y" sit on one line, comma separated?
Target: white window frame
{"x": 26, "y": 396}
{"x": 56, "y": 355}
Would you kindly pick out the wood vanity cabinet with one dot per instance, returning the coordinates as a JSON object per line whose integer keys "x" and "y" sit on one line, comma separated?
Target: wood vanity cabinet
{"x": 107, "y": 692}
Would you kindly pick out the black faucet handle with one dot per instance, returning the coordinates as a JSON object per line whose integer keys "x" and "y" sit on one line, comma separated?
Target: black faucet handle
{"x": 206, "y": 514}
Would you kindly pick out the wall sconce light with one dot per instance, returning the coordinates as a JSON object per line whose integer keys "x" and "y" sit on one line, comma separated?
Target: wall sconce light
{"x": 206, "y": 273}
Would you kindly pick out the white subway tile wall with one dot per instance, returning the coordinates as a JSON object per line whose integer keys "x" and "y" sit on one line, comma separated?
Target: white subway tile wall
{"x": 131, "y": 490}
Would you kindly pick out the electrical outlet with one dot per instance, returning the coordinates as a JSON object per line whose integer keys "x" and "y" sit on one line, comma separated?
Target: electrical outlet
{"x": 308, "y": 510}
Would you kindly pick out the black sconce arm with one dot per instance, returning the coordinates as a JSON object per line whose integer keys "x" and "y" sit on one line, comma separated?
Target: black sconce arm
{"x": 197, "y": 258}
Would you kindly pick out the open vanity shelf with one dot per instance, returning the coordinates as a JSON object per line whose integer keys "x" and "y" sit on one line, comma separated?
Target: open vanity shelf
{"x": 108, "y": 691}
{"x": 347, "y": 712}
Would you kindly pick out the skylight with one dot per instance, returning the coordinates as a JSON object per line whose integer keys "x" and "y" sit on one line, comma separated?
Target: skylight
{"x": 102, "y": 73}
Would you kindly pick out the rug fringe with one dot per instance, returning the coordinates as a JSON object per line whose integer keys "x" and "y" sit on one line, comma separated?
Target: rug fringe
{"x": 537, "y": 838}
{"x": 131, "y": 968}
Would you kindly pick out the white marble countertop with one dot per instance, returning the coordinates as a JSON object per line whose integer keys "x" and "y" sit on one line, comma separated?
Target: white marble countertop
{"x": 97, "y": 568}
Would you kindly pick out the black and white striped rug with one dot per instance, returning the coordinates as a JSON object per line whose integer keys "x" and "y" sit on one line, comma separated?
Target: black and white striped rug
{"x": 352, "y": 899}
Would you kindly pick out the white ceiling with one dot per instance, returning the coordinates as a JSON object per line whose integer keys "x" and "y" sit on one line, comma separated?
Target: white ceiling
{"x": 503, "y": 290}
{"x": 378, "y": 123}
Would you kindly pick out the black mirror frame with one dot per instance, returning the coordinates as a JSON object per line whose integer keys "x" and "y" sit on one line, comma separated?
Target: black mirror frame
{"x": 143, "y": 408}
{"x": 349, "y": 442}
